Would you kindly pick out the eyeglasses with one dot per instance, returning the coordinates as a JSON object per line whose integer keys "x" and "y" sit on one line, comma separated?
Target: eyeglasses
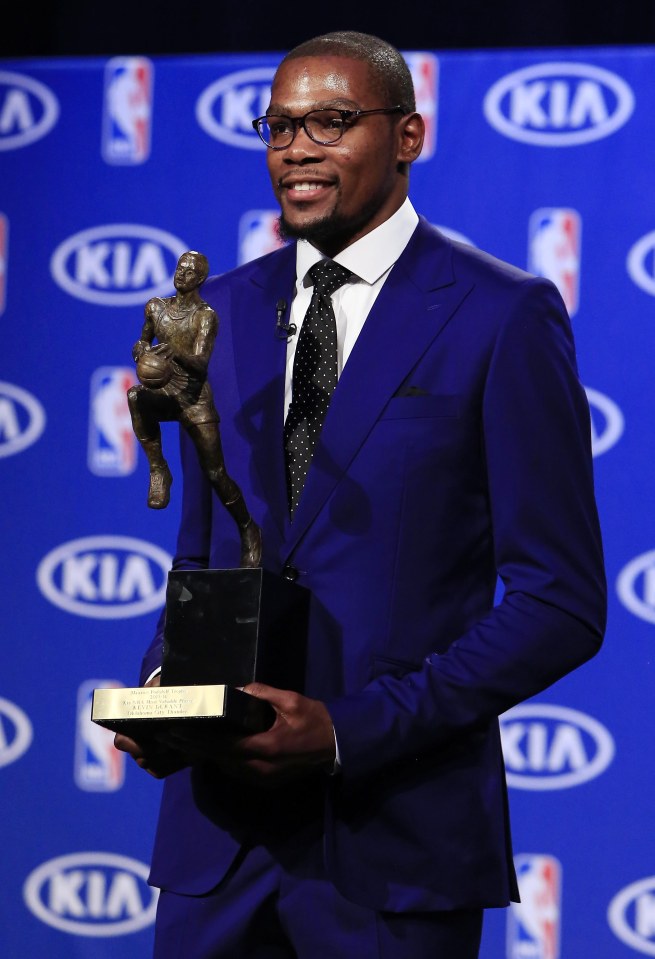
{"x": 325, "y": 127}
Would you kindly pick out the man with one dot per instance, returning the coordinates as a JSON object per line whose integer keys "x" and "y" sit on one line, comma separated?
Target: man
{"x": 454, "y": 448}
{"x": 174, "y": 387}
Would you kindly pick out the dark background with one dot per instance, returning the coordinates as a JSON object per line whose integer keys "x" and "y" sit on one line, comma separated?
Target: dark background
{"x": 80, "y": 27}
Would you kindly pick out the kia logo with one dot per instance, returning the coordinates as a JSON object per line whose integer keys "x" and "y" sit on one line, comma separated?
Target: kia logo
{"x": 105, "y": 577}
{"x": 22, "y": 419}
{"x": 553, "y": 747}
{"x": 606, "y": 421}
{"x": 558, "y": 104}
{"x": 631, "y": 915}
{"x": 636, "y": 586}
{"x": 226, "y": 109}
{"x": 640, "y": 263}
{"x": 92, "y": 894}
{"x": 15, "y": 732}
{"x": 28, "y": 110}
{"x": 118, "y": 264}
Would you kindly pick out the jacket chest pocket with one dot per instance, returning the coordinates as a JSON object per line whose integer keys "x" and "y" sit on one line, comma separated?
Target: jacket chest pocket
{"x": 422, "y": 406}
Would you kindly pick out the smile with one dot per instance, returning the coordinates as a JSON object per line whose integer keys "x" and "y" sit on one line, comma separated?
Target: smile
{"x": 306, "y": 187}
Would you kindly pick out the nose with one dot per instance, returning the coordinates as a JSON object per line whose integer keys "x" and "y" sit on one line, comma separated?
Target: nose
{"x": 302, "y": 149}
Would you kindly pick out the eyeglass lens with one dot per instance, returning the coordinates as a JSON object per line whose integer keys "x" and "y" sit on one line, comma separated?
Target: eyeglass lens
{"x": 323, "y": 126}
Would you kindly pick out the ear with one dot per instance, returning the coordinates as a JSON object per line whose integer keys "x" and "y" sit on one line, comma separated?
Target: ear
{"x": 412, "y": 133}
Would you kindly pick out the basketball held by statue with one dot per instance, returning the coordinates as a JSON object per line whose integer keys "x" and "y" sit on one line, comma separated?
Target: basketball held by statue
{"x": 153, "y": 369}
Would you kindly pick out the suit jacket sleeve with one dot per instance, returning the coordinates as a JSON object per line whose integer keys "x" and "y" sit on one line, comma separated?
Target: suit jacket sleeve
{"x": 535, "y": 432}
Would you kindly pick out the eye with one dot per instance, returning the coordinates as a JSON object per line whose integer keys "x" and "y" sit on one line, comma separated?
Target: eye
{"x": 279, "y": 126}
{"x": 328, "y": 120}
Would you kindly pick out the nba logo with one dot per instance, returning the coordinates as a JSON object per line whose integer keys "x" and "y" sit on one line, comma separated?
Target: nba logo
{"x": 99, "y": 766}
{"x": 424, "y": 68}
{"x": 127, "y": 110}
{"x": 112, "y": 443}
{"x": 258, "y": 234}
{"x": 554, "y": 251}
{"x": 534, "y": 923}
{"x": 4, "y": 250}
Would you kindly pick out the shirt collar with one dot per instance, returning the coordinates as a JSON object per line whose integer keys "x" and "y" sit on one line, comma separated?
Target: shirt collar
{"x": 372, "y": 255}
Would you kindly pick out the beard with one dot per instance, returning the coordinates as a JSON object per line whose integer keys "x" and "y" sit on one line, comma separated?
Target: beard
{"x": 329, "y": 233}
{"x": 328, "y": 229}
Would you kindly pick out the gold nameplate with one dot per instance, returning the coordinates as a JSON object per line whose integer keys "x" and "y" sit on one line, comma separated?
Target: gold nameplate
{"x": 154, "y": 703}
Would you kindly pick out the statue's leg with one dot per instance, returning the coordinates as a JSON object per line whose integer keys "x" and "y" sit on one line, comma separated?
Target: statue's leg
{"x": 207, "y": 440}
{"x": 148, "y": 432}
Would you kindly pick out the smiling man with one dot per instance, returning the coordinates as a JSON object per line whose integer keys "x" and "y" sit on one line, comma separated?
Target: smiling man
{"x": 416, "y": 430}
{"x": 334, "y": 197}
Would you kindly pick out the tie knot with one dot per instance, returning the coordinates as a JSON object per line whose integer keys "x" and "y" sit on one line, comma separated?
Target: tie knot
{"x": 328, "y": 276}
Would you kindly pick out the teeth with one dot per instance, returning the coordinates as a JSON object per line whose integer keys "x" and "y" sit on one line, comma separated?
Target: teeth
{"x": 306, "y": 186}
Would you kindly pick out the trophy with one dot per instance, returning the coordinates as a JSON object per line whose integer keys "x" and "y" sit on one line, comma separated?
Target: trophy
{"x": 224, "y": 628}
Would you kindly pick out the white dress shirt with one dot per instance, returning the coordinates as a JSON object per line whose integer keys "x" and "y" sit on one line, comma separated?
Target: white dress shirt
{"x": 370, "y": 259}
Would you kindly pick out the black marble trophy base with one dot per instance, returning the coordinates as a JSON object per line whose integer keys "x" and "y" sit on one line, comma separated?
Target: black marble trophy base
{"x": 224, "y": 628}
{"x": 234, "y": 626}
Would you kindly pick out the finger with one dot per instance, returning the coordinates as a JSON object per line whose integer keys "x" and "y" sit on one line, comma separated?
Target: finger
{"x": 157, "y": 772}
{"x": 127, "y": 745}
{"x": 280, "y": 699}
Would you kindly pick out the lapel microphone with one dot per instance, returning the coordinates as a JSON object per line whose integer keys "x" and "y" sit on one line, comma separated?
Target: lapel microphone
{"x": 283, "y": 330}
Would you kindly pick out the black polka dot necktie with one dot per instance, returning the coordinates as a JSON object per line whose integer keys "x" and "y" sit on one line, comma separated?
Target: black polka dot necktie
{"x": 314, "y": 375}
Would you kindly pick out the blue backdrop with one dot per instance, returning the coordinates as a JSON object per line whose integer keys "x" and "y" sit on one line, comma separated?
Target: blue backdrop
{"x": 110, "y": 169}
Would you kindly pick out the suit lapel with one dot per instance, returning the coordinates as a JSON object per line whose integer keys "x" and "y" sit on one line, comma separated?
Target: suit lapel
{"x": 260, "y": 359}
{"x": 416, "y": 301}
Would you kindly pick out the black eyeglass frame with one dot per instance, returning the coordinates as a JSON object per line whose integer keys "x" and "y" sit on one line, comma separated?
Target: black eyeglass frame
{"x": 298, "y": 122}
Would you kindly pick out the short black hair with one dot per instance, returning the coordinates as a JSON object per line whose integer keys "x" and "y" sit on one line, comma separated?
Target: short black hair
{"x": 388, "y": 68}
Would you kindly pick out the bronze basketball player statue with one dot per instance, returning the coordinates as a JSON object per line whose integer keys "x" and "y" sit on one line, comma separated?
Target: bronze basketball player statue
{"x": 174, "y": 386}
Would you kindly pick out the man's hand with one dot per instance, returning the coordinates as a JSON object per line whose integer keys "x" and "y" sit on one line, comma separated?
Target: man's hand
{"x": 157, "y": 760}
{"x": 300, "y": 740}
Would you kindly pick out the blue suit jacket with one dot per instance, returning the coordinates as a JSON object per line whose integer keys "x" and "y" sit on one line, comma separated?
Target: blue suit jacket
{"x": 456, "y": 448}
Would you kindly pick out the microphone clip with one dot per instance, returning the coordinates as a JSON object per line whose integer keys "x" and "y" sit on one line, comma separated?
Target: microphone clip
{"x": 283, "y": 330}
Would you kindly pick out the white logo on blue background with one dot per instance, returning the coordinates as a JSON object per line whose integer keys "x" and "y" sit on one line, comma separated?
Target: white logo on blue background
{"x": 640, "y": 263}
{"x": 559, "y": 104}
{"x": 92, "y": 894}
{"x": 636, "y": 586}
{"x": 99, "y": 766}
{"x": 258, "y": 234}
{"x": 424, "y": 68}
{"x": 15, "y": 732}
{"x": 553, "y": 747}
{"x": 28, "y": 110}
{"x": 22, "y": 419}
{"x": 631, "y": 915}
{"x": 607, "y": 421}
{"x": 118, "y": 264}
{"x": 105, "y": 577}
{"x": 127, "y": 116}
{"x": 226, "y": 108}
{"x": 112, "y": 443}
{"x": 534, "y": 923}
{"x": 554, "y": 250}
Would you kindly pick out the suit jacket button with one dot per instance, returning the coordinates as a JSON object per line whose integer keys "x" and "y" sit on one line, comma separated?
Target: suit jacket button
{"x": 290, "y": 572}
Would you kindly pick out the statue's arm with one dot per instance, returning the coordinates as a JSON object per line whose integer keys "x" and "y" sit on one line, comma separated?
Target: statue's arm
{"x": 147, "y": 332}
{"x": 206, "y": 328}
